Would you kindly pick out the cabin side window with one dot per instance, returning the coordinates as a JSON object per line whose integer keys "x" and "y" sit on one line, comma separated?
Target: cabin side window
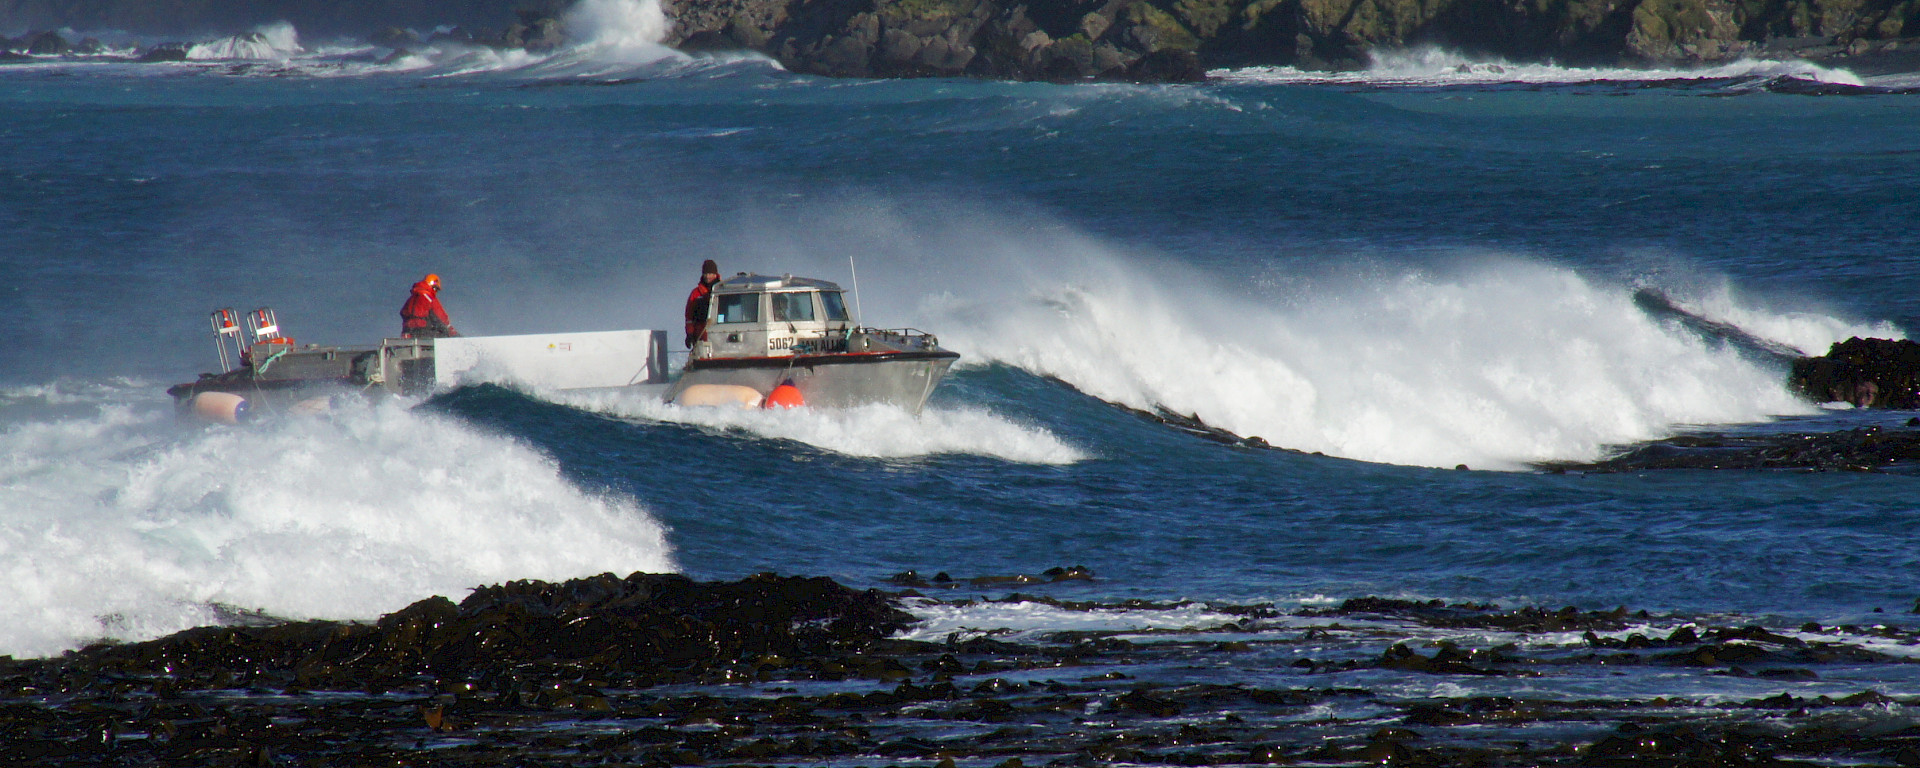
{"x": 792, "y": 306}
{"x": 738, "y": 308}
{"x": 836, "y": 306}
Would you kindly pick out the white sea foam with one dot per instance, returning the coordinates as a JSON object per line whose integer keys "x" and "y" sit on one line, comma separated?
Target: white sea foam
{"x": 1901, "y": 80}
{"x": 877, "y": 431}
{"x": 1026, "y": 620}
{"x": 1492, "y": 364}
{"x": 17, "y": 400}
{"x": 1358, "y": 637}
{"x": 605, "y": 38}
{"x": 627, "y": 31}
{"x": 1434, "y": 67}
{"x": 123, "y": 523}
{"x": 274, "y": 42}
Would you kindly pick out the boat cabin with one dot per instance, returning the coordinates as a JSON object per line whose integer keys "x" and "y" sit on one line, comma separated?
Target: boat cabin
{"x": 774, "y": 316}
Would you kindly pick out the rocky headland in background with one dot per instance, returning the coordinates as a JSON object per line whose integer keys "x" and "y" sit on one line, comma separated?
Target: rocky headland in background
{"x": 1143, "y": 40}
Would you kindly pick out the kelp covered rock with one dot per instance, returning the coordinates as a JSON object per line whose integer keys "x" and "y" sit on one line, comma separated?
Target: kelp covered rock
{"x": 1869, "y": 373}
{"x": 531, "y": 674}
{"x": 645, "y": 628}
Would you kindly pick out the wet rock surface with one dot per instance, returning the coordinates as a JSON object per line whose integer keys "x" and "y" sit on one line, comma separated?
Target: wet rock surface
{"x": 1868, "y": 373}
{"x": 659, "y": 670}
{"x": 644, "y": 629}
{"x": 1865, "y": 449}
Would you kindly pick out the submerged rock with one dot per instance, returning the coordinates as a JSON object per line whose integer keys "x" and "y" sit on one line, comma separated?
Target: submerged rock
{"x": 165, "y": 52}
{"x": 535, "y": 32}
{"x": 1050, "y": 576}
{"x": 393, "y": 37}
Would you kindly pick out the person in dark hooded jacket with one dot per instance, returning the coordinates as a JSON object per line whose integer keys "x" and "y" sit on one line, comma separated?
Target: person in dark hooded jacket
{"x": 422, "y": 317}
{"x": 698, "y": 301}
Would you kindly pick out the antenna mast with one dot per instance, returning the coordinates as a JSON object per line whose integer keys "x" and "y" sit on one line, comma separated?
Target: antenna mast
{"x": 856, "y": 288}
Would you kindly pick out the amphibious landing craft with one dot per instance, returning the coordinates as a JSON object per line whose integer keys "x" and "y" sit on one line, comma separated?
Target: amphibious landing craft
{"x": 785, "y": 340}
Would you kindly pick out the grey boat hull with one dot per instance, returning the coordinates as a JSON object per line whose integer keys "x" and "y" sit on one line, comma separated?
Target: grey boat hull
{"x": 272, "y": 373}
{"x": 396, "y": 366}
{"x": 842, "y": 380}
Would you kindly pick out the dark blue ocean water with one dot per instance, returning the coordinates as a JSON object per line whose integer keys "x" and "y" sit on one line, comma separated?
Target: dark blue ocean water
{"x": 1389, "y": 277}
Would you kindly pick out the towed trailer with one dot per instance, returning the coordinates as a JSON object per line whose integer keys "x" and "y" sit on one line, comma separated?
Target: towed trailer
{"x": 264, "y": 367}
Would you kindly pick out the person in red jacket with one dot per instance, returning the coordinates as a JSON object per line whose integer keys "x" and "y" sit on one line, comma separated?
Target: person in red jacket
{"x": 698, "y": 300}
{"x": 422, "y": 317}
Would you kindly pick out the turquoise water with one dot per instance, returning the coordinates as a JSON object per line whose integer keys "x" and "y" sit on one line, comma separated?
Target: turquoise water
{"x": 1388, "y": 279}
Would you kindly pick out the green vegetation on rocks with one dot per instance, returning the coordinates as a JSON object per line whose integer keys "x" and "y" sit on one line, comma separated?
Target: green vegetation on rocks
{"x": 1668, "y": 30}
{"x": 1205, "y": 17}
{"x": 1157, "y": 29}
{"x": 914, "y": 10}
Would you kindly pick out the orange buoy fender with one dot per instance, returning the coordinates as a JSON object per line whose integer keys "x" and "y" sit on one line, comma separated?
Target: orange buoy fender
{"x": 223, "y": 407}
{"x": 785, "y": 396}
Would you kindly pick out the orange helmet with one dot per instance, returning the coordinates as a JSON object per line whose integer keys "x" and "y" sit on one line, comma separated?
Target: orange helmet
{"x": 432, "y": 281}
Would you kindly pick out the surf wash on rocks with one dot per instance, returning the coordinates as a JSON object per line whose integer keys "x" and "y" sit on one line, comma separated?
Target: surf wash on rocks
{"x": 787, "y": 341}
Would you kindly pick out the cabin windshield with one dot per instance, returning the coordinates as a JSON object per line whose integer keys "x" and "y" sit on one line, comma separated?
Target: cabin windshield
{"x": 836, "y": 306}
{"x": 738, "y": 308}
{"x": 793, "y": 306}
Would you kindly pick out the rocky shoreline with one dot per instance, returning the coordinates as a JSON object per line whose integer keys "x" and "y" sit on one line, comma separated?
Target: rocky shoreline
{"x": 659, "y": 670}
{"x": 1068, "y": 40}
{"x": 1180, "y": 39}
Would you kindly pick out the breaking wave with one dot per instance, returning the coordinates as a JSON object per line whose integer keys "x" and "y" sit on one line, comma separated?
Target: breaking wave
{"x": 274, "y": 42}
{"x": 606, "y": 39}
{"x": 632, "y": 31}
{"x": 1808, "y": 333}
{"x": 124, "y": 523}
{"x": 1497, "y": 363}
